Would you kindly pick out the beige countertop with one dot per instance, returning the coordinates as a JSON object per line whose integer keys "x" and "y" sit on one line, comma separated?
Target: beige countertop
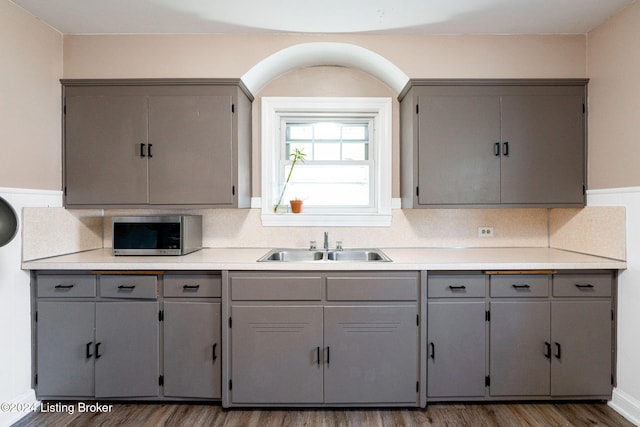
{"x": 402, "y": 259}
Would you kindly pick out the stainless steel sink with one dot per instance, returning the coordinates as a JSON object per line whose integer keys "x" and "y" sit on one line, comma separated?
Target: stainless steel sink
{"x": 292, "y": 255}
{"x": 346, "y": 255}
{"x": 357, "y": 255}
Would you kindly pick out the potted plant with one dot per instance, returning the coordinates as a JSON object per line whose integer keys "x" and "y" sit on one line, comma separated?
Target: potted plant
{"x": 296, "y": 205}
{"x": 297, "y": 155}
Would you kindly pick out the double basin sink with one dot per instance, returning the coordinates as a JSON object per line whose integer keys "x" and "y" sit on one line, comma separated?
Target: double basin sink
{"x": 306, "y": 255}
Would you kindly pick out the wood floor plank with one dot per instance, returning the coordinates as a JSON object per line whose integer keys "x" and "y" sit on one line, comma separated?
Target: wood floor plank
{"x": 440, "y": 415}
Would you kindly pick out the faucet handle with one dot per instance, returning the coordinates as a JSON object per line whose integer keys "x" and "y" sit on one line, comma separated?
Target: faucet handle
{"x": 312, "y": 245}
{"x": 338, "y": 245}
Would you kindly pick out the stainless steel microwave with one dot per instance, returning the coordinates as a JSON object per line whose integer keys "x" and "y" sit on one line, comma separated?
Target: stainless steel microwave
{"x": 157, "y": 235}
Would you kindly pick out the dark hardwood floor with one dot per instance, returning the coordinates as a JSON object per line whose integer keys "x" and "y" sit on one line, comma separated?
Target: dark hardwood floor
{"x": 502, "y": 414}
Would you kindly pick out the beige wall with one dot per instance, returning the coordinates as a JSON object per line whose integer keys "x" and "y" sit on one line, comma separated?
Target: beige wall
{"x": 232, "y": 56}
{"x": 613, "y": 61}
{"x": 30, "y": 66}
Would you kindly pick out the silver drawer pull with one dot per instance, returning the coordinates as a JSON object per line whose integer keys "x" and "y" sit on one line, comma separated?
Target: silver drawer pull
{"x": 457, "y": 288}
{"x": 520, "y": 286}
{"x": 585, "y": 286}
{"x": 64, "y": 286}
{"x": 127, "y": 287}
{"x": 191, "y": 287}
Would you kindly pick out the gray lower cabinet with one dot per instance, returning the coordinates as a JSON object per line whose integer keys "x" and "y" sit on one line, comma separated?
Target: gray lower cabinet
{"x": 520, "y": 348}
{"x": 294, "y": 344}
{"x": 136, "y": 143}
{"x": 192, "y": 349}
{"x": 456, "y": 336}
{"x": 551, "y": 335}
{"x": 107, "y": 349}
{"x": 118, "y": 336}
{"x": 65, "y": 347}
{"x": 581, "y": 356}
{"x": 456, "y": 352}
{"x": 192, "y": 335}
{"x": 277, "y": 354}
{"x": 493, "y": 143}
{"x": 127, "y": 362}
{"x": 362, "y": 361}
{"x": 87, "y": 346}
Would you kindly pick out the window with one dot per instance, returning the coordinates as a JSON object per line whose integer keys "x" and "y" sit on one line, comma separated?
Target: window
{"x": 345, "y": 178}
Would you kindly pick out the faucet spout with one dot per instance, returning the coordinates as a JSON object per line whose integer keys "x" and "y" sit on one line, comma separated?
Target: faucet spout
{"x": 326, "y": 240}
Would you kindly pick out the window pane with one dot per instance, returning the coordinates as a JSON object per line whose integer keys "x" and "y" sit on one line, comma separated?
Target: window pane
{"x": 306, "y": 147}
{"x": 326, "y": 151}
{"x": 355, "y": 151}
{"x": 325, "y": 130}
{"x": 354, "y": 132}
{"x": 300, "y": 131}
{"x": 336, "y": 181}
{"x": 330, "y": 185}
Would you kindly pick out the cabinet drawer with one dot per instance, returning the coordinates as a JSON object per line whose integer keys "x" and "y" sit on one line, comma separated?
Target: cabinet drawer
{"x": 285, "y": 288}
{"x": 520, "y": 285}
{"x": 66, "y": 286}
{"x": 456, "y": 286}
{"x": 372, "y": 288}
{"x": 582, "y": 285}
{"x": 192, "y": 285}
{"x": 124, "y": 286}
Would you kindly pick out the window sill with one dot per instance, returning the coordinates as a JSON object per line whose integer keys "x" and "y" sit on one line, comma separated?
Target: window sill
{"x": 305, "y": 219}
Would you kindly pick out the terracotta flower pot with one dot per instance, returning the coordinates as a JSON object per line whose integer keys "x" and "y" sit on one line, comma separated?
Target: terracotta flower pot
{"x": 296, "y": 206}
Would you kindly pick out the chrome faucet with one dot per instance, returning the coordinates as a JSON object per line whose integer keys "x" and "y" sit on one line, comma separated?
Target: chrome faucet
{"x": 326, "y": 240}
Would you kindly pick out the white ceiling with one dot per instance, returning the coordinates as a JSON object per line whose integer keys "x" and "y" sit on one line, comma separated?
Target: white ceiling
{"x": 323, "y": 16}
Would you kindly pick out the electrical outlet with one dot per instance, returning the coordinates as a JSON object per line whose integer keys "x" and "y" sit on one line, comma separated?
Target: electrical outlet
{"x": 485, "y": 231}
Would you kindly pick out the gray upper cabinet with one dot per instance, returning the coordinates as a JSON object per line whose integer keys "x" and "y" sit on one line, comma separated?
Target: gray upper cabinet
{"x": 135, "y": 143}
{"x": 102, "y": 166}
{"x": 193, "y": 133}
{"x": 493, "y": 143}
{"x": 455, "y": 160}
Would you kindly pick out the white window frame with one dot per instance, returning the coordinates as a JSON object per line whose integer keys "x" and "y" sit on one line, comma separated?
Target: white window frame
{"x": 275, "y": 109}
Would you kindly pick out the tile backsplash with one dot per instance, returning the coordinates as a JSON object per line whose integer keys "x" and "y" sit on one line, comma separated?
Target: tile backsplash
{"x": 224, "y": 228}
{"x": 52, "y": 231}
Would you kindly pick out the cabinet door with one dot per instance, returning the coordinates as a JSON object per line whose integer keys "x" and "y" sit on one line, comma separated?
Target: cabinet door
{"x": 191, "y": 138}
{"x": 581, "y": 335}
{"x": 192, "y": 349}
{"x": 65, "y": 348}
{"x": 371, "y": 354}
{"x": 456, "y": 349}
{"x": 457, "y": 161}
{"x": 544, "y": 162}
{"x": 519, "y": 331}
{"x": 275, "y": 353}
{"x": 103, "y": 162}
{"x": 127, "y": 359}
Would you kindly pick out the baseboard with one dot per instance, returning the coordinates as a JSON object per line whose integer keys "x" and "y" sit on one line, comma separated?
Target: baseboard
{"x": 626, "y": 405}
{"x": 18, "y": 407}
